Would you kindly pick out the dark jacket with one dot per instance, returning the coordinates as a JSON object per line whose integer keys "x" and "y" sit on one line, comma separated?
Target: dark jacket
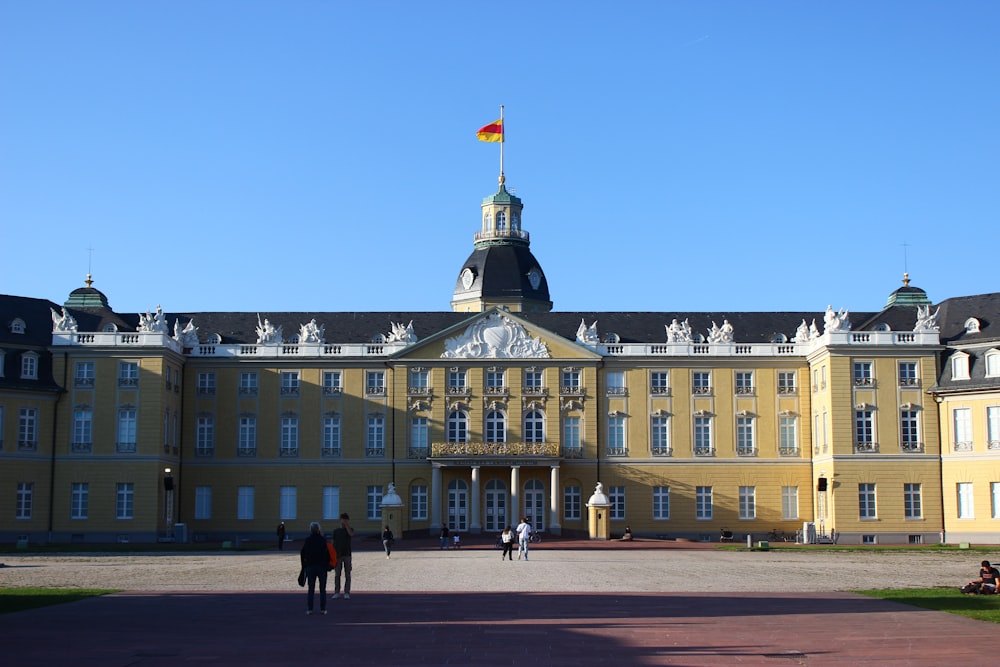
{"x": 314, "y": 551}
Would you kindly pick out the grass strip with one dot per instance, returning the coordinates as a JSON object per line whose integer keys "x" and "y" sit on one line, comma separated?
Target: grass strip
{"x": 20, "y": 599}
{"x": 951, "y": 600}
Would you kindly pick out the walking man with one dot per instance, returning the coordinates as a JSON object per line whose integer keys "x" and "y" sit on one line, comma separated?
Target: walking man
{"x": 342, "y": 544}
{"x": 523, "y": 535}
{"x": 281, "y": 536}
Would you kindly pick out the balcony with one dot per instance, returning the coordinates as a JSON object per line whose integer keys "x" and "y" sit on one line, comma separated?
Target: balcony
{"x": 374, "y": 452}
{"x": 572, "y": 452}
{"x": 125, "y": 448}
{"x": 128, "y": 382}
{"x": 617, "y": 391}
{"x": 417, "y": 452}
{"x": 616, "y": 451}
{"x": 459, "y": 391}
{"x": 572, "y": 390}
{"x": 206, "y": 391}
{"x": 535, "y": 391}
{"x": 418, "y": 391}
{"x": 704, "y": 451}
{"x": 912, "y": 447}
{"x": 494, "y": 449}
{"x": 745, "y": 391}
{"x": 247, "y": 452}
{"x": 701, "y": 391}
{"x": 248, "y": 391}
{"x": 787, "y": 391}
{"x": 373, "y": 390}
{"x": 909, "y": 382}
{"x": 788, "y": 451}
{"x": 993, "y": 445}
{"x": 662, "y": 451}
{"x": 290, "y": 391}
{"x": 330, "y": 452}
{"x": 82, "y": 447}
{"x": 84, "y": 382}
{"x": 866, "y": 448}
{"x": 746, "y": 451}
{"x": 661, "y": 392}
{"x": 963, "y": 446}
{"x": 288, "y": 452}
{"x": 496, "y": 391}
{"x": 864, "y": 382}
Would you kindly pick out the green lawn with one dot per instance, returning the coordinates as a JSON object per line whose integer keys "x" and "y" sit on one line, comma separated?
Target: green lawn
{"x": 979, "y": 607}
{"x": 20, "y": 599}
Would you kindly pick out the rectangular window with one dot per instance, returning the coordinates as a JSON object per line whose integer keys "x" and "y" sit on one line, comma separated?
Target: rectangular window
{"x": 124, "y": 500}
{"x": 289, "y": 435}
{"x": 206, "y": 384}
{"x": 909, "y": 432}
{"x": 79, "y": 500}
{"x": 701, "y": 382}
{"x": 571, "y": 381}
{"x": 457, "y": 380}
{"x": 205, "y": 436}
{"x": 993, "y": 427}
{"x": 962, "y": 420}
{"x": 373, "y": 503}
{"x": 863, "y": 374}
{"x": 965, "y": 501}
{"x": 571, "y": 436}
{"x": 289, "y": 383}
{"x": 960, "y": 366}
{"x": 864, "y": 431}
{"x": 419, "y": 436}
{"x": 866, "y": 501}
{"x": 572, "y": 502}
{"x": 748, "y": 502}
{"x": 83, "y": 429}
{"x": 127, "y": 418}
{"x": 912, "y": 505}
{"x": 786, "y": 382}
{"x": 419, "y": 382}
{"x": 995, "y": 499}
{"x": 661, "y": 502}
{"x": 703, "y": 436}
{"x": 659, "y": 383}
{"x": 27, "y": 428}
{"x": 789, "y": 502}
{"x": 247, "y": 445}
{"x": 203, "y": 502}
{"x": 616, "y": 383}
{"x": 244, "y": 503}
{"x": 533, "y": 382}
{"x": 418, "y": 502}
{"x": 746, "y": 442}
{"x": 703, "y": 502}
{"x": 84, "y": 374}
{"x": 331, "y": 503}
{"x": 375, "y": 383}
{"x": 788, "y": 436}
{"x": 288, "y": 503}
{"x": 128, "y": 374}
{"x": 331, "y": 435}
{"x": 22, "y": 505}
{"x": 331, "y": 383}
{"x": 495, "y": 383}
{"x": 616, "y": 436}
{"x": 375, "y": 439}
{"x": 908, "y": 374}
{"x": 660, "y": 436}
{"x": 29, "y": 366}
{"x": 248, "y": 383}
{"x": 744, "y": 382}
{"x": 616, "y": 494}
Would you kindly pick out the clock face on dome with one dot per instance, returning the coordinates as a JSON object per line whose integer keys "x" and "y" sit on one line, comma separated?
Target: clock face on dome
{"x": 467, "y": 278}
{"x": 535, "y": 278}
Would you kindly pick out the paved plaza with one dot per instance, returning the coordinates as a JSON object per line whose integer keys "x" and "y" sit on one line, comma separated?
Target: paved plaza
{"x": 572, "y": 603}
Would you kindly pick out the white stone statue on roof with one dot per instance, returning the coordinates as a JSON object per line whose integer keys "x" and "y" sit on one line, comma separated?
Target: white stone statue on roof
{"x": 679, "y": 332}
{"x": 267, "y": 333}
{"x": 813, "y": 330}
{"x": 64, "y": 322}
{"x": 150, "y": 323}
{"x": 312, "y": 332}
{"x": 802, "y": 333}
{"x": 927, "y": 321}
{"x": 587, "y": 335}
{"x": 723, "y": 334}
{"x": 401, "y": 334}
{"x": 836, "y": 321}
{"x": 188, "y": 336}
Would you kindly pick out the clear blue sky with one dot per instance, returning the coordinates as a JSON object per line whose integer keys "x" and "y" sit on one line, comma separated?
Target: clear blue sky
{"x": 321, "y": 156}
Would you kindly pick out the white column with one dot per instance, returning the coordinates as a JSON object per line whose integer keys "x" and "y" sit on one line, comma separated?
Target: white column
{"x": 475, "y": 527}
{"x": 554, "y": 526}
{"x": 515, "y": 495}
{"x": 435, "y": 500}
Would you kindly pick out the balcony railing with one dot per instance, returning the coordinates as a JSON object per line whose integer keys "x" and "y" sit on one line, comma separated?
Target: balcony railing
{"x": 535, "y": 391}
{"x": 616, "y": 451}
{"x": 745, "y": 391}
{"x": 993, "y": 444}
{"x": 788, "y": 451}
{"x": 288, "y": 452}
{"x": 82, "y": 447}
{"x": 375, "y": 452}
{"x": 572, "y": 390}
{"x": 496, "y": 391}
{"x": 125, "y": 448}
{"x": 912, "y": 447}
{"x": 204, "y": 451}
{"x": 662, "y": 451}
{"x": 701, "y": 391}
{"x": 498, "y": 449}
{"x": 963, "y": 446}
{"x": 330, "y": 452}
{"x": 27, "y": 445}
{"x": 417, "y": 452}
{"x": 659, "y": 391}
{"x": 746, "y": 451}
{"x": 246, "y": 451}
{"x": 332, "y": 391}
{"x": 787, "y": 390}
{"x": 418, "y": 391}
{"x": 617, "y": 391}
{"x": 866, "y": 448}
{"x": 248, "y": 391}
{"x": 84, "y": 382}
{"x": 572, "y": 452}
{"x": 704, "y": 451}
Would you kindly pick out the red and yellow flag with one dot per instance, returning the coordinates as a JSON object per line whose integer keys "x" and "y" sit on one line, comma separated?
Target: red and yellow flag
{"x": 491, "y": 132}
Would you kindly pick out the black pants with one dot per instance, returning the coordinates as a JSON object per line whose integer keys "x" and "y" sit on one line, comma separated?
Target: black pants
{"x": 314, "y": 572}
{"x": 508, "y": 550}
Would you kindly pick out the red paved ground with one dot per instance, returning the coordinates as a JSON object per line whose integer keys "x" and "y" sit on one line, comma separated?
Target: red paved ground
{"x": 493, "y": 629}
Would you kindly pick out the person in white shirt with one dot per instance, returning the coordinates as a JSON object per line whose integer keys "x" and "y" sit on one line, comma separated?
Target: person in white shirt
{"x": 523, "y": 535}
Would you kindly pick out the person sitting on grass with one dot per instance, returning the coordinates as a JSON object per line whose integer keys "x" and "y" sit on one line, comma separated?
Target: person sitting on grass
{"x": 987, "y": 582}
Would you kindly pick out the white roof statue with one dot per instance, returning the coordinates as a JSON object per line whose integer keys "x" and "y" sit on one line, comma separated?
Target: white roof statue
{"x": 267, "y": 333}
{"x": 926, "y": 321}
{"x": 401, "y": 334}
{"x": 150, "y": 323}
{"x": 63, "y": 322}
{"x": 188, "y": 336}
{"x": 312, "y": 332}
{"x": 836, "y": 321}
{"x": 587, "y": 335}
{"x": 679, "y": 332}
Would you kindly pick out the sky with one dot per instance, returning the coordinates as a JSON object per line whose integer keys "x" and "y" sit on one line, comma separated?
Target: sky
{"x": 698, "y": 155}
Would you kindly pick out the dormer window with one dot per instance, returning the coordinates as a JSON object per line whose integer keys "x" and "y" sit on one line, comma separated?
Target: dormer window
{"x": 29, "y": 366}
{"x": 960, "y": 366}
{"x": 993, "y": 363}
{"x": 971, "y": 325}
{"x": 17, "y": 326}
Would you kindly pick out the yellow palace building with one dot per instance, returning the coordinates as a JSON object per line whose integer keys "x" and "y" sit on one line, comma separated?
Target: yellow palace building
{"x": 856, "y": 427}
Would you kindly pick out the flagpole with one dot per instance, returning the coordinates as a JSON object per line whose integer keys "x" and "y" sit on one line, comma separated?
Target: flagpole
{"x": 503, "y": 138}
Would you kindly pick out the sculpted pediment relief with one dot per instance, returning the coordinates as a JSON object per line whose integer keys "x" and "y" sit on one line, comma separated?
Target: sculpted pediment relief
{"x": 495, "y": 337}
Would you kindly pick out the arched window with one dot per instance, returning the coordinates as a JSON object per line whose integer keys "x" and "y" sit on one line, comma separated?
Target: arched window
{"x": 458, "y": 427}
{"x": 534, "y": 427}
{"x": 496, "y": 427}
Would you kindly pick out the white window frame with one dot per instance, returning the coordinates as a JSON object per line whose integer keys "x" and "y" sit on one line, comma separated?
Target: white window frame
{"x": 616, "y": 495}
{"x": 79, "y": 501}
{"x": 128, "y": 373}
{"x": 746, "y": 436}
{"x": 202, "y": 503}
{"x": 867, "y": 501}
{"x": 616, "y": 437}
{"x": 615, "y": 381}
{"x": 245, "y": 503}
{"x": 206, "y": 383}
{"x": 373, "y": 502}
{"x": 375, "y": 383}
{"x": 457, "y": 426}
{"x": 992, "y": 363}
{"x": 913, "y": 506}
{"x": 331, "y": 435}
{"x": 571, "y": 433}
{"x": 960, "y": 366}
{"x": 659, "y": 436}
{"x": 27, "y": 428}
{"x": 701, "y": 383}
{"x": 83, "y": 427}
{"x": 661, "y": 503}
{"x": 962, "y": 425}
{"x": 128, "y": 428}
{"x": 966, "y": 500}
{"x": 993, "y": 427}
{"x": 420, "y": 433}
{"x": 290, "y": 383}
{"x": 744, "y": 383}
{"x": 909, "y": 373}
{"x": 205, "y": 435}
{"x": 789, "y": 503}
{"x": 748, "y": 503}
{"x": 995, "y": 500}
{"x": 572, "y": 503}
{"x": 703, "y": 437}
{"x": 84, "y": 373}
{"x": 496, "y": 426}
{"x": 787, "y": 382}
{"x": 331, "y": 503}
{"x": 332, "y": 383}
{"x": 534, "y": 426}
{"x": 29, "y": 366}
{"x": 418, "y": 502}
{"x": 863, "y": 373}
{"x": 125, "y": 500}
{"x": 24, "y": 500}
{"x": 289, "y": 435}
{"x": 247, "y": 440}
{"x": 659, "y": 383}
{"x": 288, "y": 503}
{"x": 249, "y": 383}
{"x": 375, "y": 436}
{"x": 703, "y": 503}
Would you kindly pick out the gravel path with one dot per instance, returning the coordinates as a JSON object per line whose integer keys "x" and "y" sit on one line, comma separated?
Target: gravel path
{"x": 551, "y": 569}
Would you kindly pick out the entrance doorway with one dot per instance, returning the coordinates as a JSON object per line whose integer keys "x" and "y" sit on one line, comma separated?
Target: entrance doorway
{"x": 495, "y": 506}
{"x": 534, "y": 503}
{"x": 458, "y": 506}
